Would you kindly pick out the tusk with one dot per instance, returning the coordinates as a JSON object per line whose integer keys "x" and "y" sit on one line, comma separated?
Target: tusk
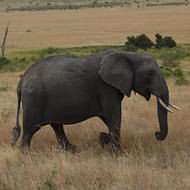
{"x": 175, "y": 107}
{"x": 165, "y": 106}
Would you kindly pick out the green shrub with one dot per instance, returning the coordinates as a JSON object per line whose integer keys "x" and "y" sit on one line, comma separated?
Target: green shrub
{"x": 131, "y": 40}
{"x": 182, "y": 81}
{"x": 169, "y": 42}
{"x": 171, "y": 63}
{"x": 144, "y": 42}
{"x": 174, "y": 54}
{"x": 18, "y": 63}
{"x": 130, "y": 47}
{"x": 141, "y": 41}
{"x": 158, "y": 41}
{"x": 178, "y": 73}
{"x": 164, "y": 42}
{"x": 166, "y": 71}
{"x": 48, "y": 51}
{"x": 3, "y": 88}
{"x": 3, "y": 61}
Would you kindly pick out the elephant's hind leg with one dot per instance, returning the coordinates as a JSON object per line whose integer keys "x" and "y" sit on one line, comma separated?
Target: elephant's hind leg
{"x": 104, "y": 139}
{"x": 28, "y": 132}
{"x": 62, "y": 138}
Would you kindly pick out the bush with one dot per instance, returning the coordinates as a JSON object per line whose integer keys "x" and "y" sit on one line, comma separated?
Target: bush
{"x": 178, "y": 73}
{"x": 158, "y": 41}
{"x": 3, "y": 61}
{"x": 164, "y": 42}
{"x": 3, "y": 88}
{"x": 174, "y": 54}
{"x": 130, "y": 47}
{"x": 171, "y": 63}
{"x": 169, "y": 42}
{"x": 141, "y": 41}
{"x": 131, "y": 40}
{"x": 144, "y": 42}
{"x": 167, "y": 72}
{"x": 182, "y": 81}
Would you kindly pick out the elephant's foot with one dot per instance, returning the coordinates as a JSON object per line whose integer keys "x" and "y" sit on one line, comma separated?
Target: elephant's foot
{"x": 104, "y": 139}
{"x": 68, "y": 147}
{"x": 116, "y": 149}
{"x": 71, "y": 148}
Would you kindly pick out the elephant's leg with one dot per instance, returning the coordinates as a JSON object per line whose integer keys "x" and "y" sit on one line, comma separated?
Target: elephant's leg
{"x": 104, "y": 139}
{"x": 28, "y": 132}
{"x": 62, "y": 138}
{"x": 112, "y": 119}
{"x": 114, "y": 136}
{"x": 33, "y": 118}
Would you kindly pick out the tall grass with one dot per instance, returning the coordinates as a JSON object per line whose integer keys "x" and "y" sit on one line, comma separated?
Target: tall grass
{"x": 145, "y": 163}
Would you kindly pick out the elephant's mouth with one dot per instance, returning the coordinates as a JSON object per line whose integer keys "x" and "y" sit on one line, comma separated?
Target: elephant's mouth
{"x": 147, "y": 96}
{"x": 145, "y": 93}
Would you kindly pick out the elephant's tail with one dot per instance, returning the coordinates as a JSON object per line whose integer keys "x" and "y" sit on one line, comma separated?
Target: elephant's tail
{"x": 17, "y": 129}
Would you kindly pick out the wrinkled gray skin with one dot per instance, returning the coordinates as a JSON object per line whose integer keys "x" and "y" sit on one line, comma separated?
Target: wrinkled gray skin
{"x": 65, "y": 90}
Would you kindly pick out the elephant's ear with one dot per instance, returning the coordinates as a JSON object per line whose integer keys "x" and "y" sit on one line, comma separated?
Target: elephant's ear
{"x": 115, "y": 70}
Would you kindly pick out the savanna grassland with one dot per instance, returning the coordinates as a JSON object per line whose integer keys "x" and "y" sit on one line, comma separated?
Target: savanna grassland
{"x": 98, "y": 26}
{"x": 146, "y": 164}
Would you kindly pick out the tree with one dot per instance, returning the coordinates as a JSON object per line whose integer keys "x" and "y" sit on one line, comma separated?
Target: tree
{"x": 158, "y": 41}
{"x": 169, "y": 42}
{"x": 3, "y": 45}
{"x": 164, "y": 42}
{"x": 141, "y": 41}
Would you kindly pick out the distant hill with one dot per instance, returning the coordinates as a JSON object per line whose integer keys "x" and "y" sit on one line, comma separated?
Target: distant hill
{"x": 21, "y": 5}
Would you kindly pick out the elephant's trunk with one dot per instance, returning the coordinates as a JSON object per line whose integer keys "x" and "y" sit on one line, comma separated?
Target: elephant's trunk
{"x": 163, "y": 119}
{"x": 160, "y": 89}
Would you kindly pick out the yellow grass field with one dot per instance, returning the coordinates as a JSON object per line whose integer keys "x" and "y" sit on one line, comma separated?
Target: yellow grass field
{"x": 93, "y": 26}
{"x": 145, "y": 165}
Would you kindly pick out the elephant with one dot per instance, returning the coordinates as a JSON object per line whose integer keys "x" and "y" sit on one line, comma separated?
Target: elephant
{"x": 61, "y": 90}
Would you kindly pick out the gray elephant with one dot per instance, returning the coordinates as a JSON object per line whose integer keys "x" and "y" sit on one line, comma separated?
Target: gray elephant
{"x": 65, "y": 90}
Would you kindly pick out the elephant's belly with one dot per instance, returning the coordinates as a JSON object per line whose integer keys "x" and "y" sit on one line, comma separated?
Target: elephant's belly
{"x": 70, "y": 112}
{"x": 70, "y": 117}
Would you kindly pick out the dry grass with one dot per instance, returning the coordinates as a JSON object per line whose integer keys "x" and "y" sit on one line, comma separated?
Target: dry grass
{"x": 93, "y": 26}
{"x": 146, "y": 164}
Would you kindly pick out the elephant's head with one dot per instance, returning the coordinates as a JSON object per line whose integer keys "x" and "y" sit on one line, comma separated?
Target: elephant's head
{"x": 140, "y": 73}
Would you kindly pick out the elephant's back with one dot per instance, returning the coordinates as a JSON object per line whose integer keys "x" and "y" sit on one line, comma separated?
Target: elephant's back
{"x": 51, "y": 62}
{"x": 61, "y": 74}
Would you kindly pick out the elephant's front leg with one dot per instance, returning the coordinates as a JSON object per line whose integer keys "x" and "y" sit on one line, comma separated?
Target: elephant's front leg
{"x": 112, "y": 118}
{"x": 114, "y": 130}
